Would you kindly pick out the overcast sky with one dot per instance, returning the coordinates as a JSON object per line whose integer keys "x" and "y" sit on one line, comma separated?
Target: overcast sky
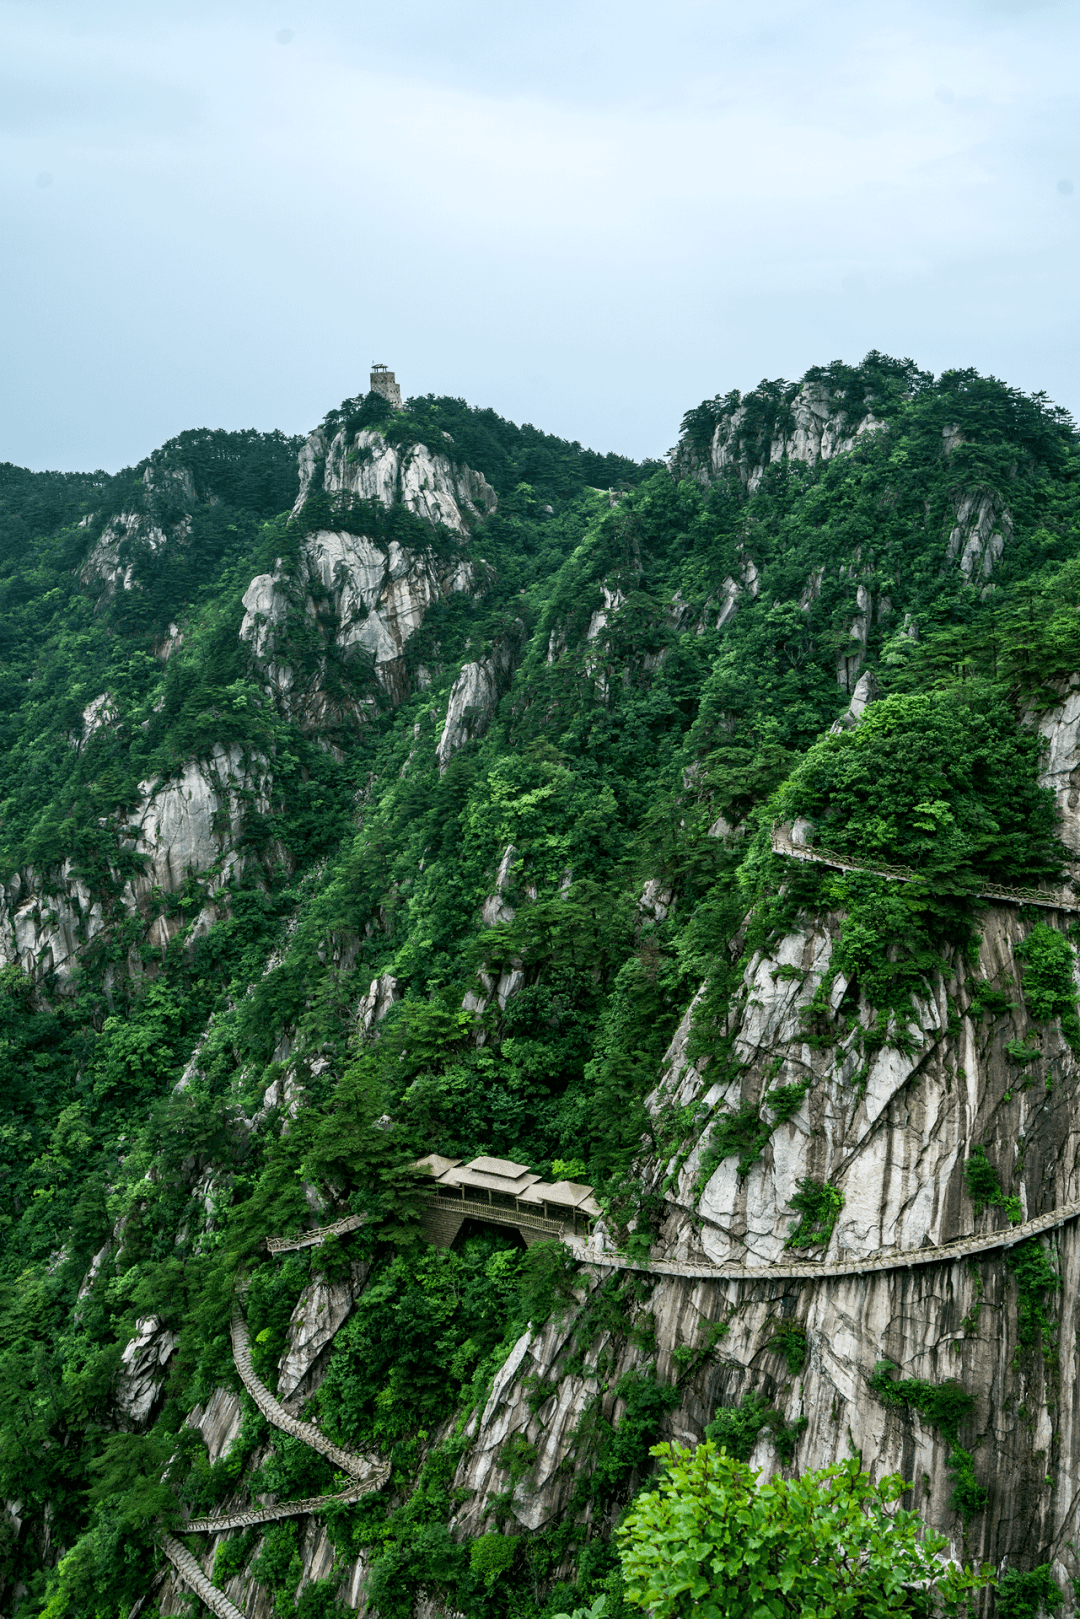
{"x": 589, "y": 214}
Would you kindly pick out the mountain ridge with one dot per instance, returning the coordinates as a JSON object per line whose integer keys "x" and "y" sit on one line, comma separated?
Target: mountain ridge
{"x": 429, "y": 808}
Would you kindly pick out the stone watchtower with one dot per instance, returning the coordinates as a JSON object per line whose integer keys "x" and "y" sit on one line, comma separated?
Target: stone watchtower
{"x": 382, "y": 382}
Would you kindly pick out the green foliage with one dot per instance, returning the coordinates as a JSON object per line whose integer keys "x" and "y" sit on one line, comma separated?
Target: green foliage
{"x": 738, "y": 1427}
{"x": 742, "y": 1131}
{"x": 793, "y": 1343}
{"x": 942, "y": 783}
{"x": 819, "y": 1206}
{"x": 712, "y": 1542}
{"x": 1033, "y": 1271}
{"x": 607, "y": 764}
{"x": 1026, "y": 1595}
{"x": 984, "y": 1187}
{"x": 945, "y": 1406}
{"x": 492, "y": 1556}
{"x": 1049, "y": 987}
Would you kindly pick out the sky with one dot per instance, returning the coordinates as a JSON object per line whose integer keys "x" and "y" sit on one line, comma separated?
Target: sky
{"x": 587, "y": 214}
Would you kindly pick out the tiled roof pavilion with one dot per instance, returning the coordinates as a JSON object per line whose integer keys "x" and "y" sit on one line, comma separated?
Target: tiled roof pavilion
{"x": 503, "y": 1193}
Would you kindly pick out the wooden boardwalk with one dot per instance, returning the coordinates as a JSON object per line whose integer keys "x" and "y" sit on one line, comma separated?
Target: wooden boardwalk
{"x": 317, "y": 1236}
{"x": 189, "y": 1571}
{"x": 1048, "y": 898}
{"x": 810, "y": 1270}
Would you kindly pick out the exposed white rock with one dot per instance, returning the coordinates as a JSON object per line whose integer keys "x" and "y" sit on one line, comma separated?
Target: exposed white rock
{"x": 849, "y": 663}
{"x": 110, "y": 564}
{"x": 373, "y": 1007}
{"x": 1061, "y": 728}
{"x": 188, "y": 824}
{"x": 495, "y": 909}
{"x": 611, "y": 601}
{"x": 983, "y": 525}
{"x": 219, "y": 1422}
{"x": 866, "y": 690}
{"x": 142, "y": 1367}
{"x": 824, "y": 426}
{"x": 265, "y": 606}
{"x": 97, "y": 714}
{"x": 656, "y": 899}
{"x": 365, "y": 467}
{"x": 376, "y": 597}
{"x": 474, "y": 696}
{"x": 893, "y": 1136}
{"x": 320, "y": 1310}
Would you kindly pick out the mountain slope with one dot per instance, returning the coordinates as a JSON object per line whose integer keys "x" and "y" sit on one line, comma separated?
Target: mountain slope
{"x": 420, "y": 800}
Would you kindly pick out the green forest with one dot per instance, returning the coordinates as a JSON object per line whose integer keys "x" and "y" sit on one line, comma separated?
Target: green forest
{"x": 197, "y": 1076}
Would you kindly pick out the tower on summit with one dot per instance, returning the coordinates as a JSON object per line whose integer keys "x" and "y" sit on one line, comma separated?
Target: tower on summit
{"x": 382, "y": 382}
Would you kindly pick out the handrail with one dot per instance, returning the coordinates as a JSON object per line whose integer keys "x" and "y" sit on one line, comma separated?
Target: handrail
{"x": 896, "y": 1259}
{"x": 245, "y": 1517}
{"x": 188, "y": 1569}
{"x": 1049, "y": 899}
{"x": 315, "y": 1237}
{"x": 362, "y": 1468}
{"x": 498, "y": 1216}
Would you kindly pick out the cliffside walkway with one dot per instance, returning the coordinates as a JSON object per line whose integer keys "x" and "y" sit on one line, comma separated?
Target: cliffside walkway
{"x": 370, "y": 1474}
{"x": 364, "y": 1469}
{"x": 316, "y": 1237}
{"x": 367, "y": 1473}
{"x": 809, "y": 1270}
{"x": 189, "y": 1571}
{"x": 246, "y": 1517}
{"x": 1050, "y": 899}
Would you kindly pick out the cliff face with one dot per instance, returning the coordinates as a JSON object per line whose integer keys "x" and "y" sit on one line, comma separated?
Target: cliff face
{"x": 893, "y": 1137}
{"x": 363, "y": 466}
{"x": 809, "y": 423}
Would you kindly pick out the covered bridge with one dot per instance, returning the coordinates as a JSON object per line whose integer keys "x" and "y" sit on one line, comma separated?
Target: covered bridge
{"x": 503, "y": 1193}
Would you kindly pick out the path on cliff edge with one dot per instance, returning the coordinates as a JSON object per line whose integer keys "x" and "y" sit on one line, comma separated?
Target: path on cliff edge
{"x": 369, "y": 1474}
{"x": 811, "y": 1270}
{"x": 365, "y": 1470}
{"x": 189, "y": 1571}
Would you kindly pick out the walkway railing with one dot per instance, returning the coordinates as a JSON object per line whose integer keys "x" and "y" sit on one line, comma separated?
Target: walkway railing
{"x": 371, "y": 1472}
{"x": 245, "y": 1517}
{"x": 188, "y": 1569}
{"x": 808, "y": 1269}
{"x": 1048, "y": 898}
{"x": 317, "y": 1236}
{"x": 497, "y": 1216}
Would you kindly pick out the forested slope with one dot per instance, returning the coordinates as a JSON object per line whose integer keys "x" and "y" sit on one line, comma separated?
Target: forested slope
{"x": 409, "y": 789}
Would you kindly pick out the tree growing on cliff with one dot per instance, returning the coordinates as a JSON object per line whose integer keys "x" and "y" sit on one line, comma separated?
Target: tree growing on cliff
{"x": 713, "y": 1543}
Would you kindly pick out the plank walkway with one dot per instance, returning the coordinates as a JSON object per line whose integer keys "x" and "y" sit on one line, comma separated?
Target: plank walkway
{"x": 189, "y": 1571}
{"x": 1050, "y": 899}
{"x": 809, "y": 1270}
{"x": 316, "y": 1237}
{"x": 370, "y": 1472}
{"x": 246, "y": 1517}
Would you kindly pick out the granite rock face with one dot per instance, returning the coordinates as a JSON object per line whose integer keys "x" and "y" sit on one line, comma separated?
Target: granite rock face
{"x": 820, "y": 425}
{"x": 186, "y": 825}
{"x": 365, "y": 599}
{"x": 363, "y": 466}
{"x": 138, "y": 1383}
{"x": 892, "y": 1134}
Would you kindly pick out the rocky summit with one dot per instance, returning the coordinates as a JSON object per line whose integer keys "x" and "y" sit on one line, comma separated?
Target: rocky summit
{"x": 512, "y": 956}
